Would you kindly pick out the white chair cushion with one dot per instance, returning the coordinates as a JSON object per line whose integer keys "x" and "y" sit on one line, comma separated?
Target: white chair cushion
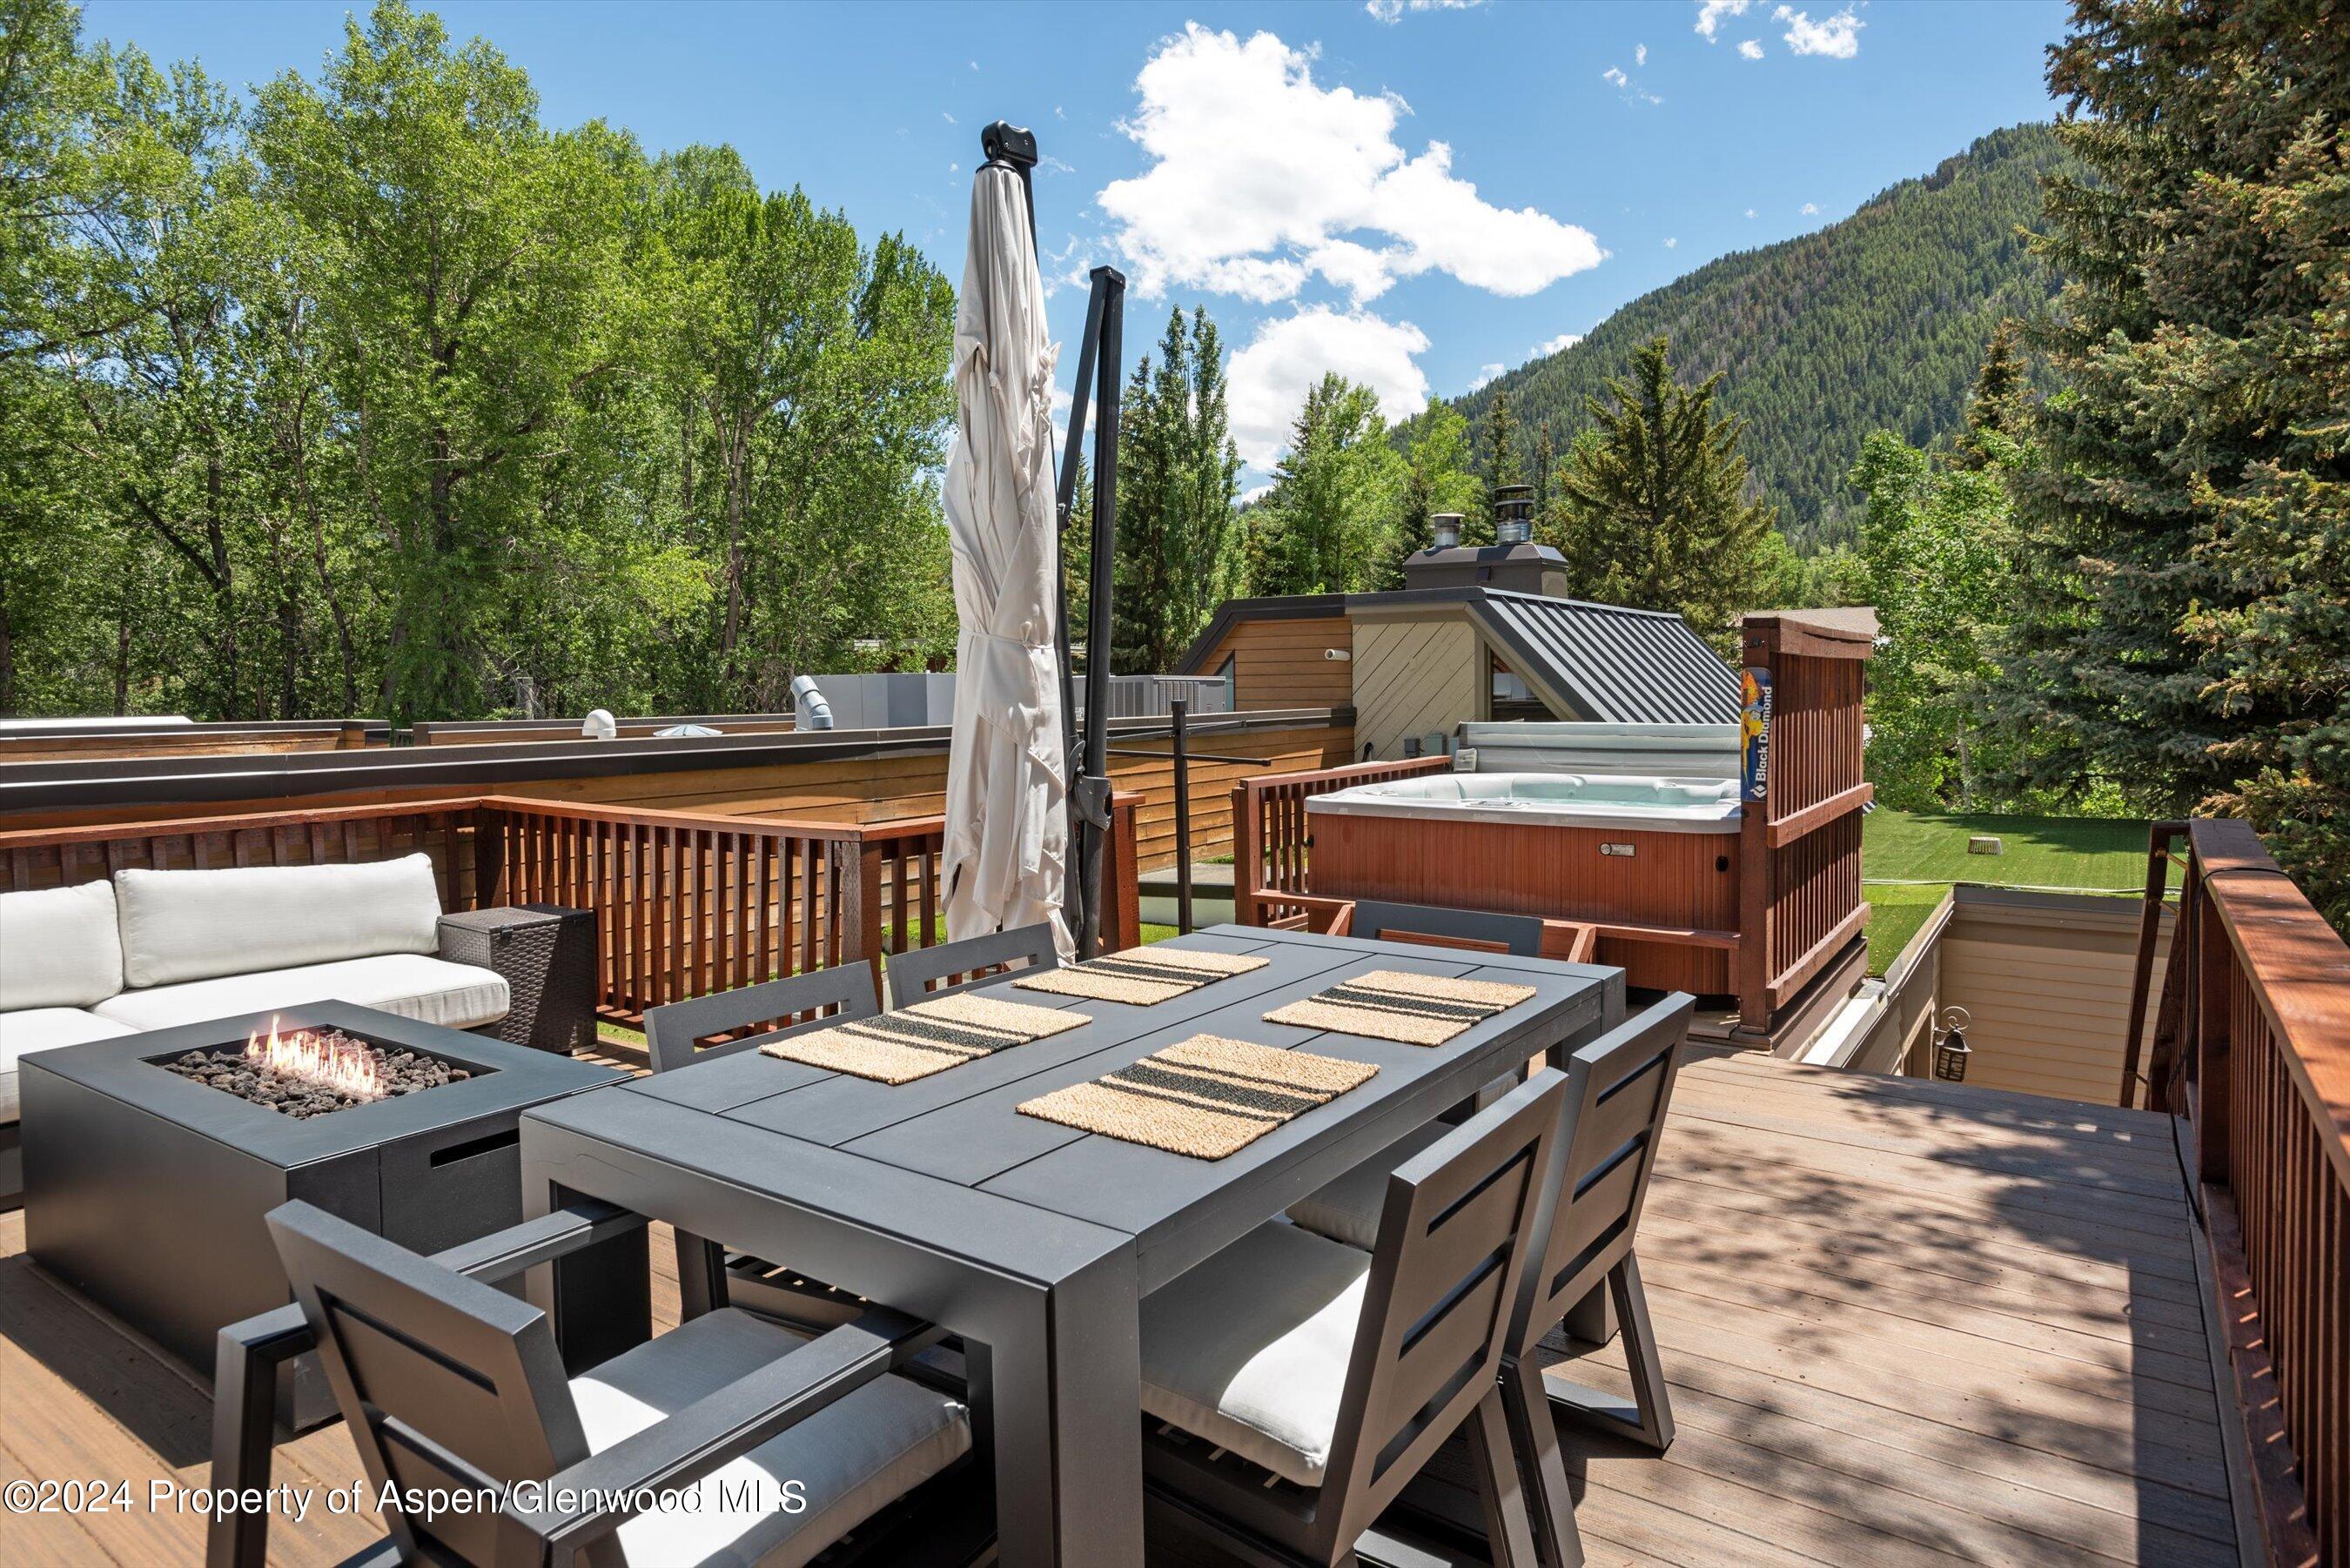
{"x": 1249, "y": 1350}
{"x": 851, "y": 1458}
{"x": 191, "y": 925}
{"x": 1347, "y": 1210}
{"x": 430, "y": 989}
{"x": 58, "y": 947}
{"x": 43, "y": 1029}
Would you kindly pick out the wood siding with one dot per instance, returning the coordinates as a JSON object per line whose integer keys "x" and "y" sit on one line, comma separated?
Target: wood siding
{"x": 1684, "y": 884}
{"x": 1415, "y": 677}
{"x": 2045, "y": 983}
{"x": 1282, "y": 664}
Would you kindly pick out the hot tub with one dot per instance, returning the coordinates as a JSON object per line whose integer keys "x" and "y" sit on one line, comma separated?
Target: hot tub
{"x": 1565, "y": 800}
{"x": 1651, "y": 860}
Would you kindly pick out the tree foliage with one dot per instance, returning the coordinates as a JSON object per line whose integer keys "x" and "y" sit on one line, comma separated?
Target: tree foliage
{"x": 2184, "y": 631}
{"x": 377, "y": 392}
{"x": 1333, "y": 511}
{"x": 1178, "y": 545}
{"x": 1650, "y": 508}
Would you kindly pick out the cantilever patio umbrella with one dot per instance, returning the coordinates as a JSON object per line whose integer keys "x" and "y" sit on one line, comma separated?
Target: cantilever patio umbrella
{"x": 1012, "y": 805}
{"x": 1007, "y": 830}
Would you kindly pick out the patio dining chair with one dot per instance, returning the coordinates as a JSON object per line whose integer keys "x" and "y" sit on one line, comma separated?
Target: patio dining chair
{"x": 1617, "y": 1090}
{"x": 455, "y": 1392}
{"x": 1479, "y": 930}
{"x": 1301, "y": 1383}
{"x": 709, "y": 1277}
{"x": 925, "y": 974}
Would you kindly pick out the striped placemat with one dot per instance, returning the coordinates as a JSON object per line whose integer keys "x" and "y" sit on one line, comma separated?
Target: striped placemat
{"x": 1141, "y": 976}
{"x": 1396, "y": 1004}
{"x": 1206, "y": 1096}
{"x": 925, "y": 1038}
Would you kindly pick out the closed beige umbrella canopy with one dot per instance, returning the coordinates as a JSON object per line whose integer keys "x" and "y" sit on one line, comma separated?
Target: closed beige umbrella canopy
{"x": 1007, "y": 828}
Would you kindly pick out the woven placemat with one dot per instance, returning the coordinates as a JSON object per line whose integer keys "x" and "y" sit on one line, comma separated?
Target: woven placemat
{"x": 1143, "y": 976}
{"x": 928, "y": 1037}
{"x": 1395, "y": 1004}
{"x": 1206, "y": 1096}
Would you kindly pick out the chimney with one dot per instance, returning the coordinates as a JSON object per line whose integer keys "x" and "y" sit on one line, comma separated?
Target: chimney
{"x": 1512, "y": 563}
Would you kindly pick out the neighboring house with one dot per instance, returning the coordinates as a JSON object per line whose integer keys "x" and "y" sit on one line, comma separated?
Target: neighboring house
{"x": 1477, "y": 634}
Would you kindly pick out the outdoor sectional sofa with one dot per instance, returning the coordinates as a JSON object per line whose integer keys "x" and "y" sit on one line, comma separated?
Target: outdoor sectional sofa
{"x": 153, "y": 949}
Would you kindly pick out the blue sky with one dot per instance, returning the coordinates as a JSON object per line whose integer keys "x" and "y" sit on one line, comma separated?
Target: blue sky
{"x": 1412, "y": 192}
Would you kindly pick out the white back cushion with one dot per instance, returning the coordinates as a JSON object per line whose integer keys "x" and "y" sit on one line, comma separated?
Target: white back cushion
{"x": 58, "y": 947}
{"x": 193, "y": 925}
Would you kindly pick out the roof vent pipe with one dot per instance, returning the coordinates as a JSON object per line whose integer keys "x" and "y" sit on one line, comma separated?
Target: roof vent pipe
{"x": 1513, "y": 515}
{"x": 810, "y": 710}
{"x": 599, "y": 725}
{"x": 1448, "y": 530}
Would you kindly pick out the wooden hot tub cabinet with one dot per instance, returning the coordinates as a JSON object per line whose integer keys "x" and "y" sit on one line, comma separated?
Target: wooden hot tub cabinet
{"x": 1667, "y": 912}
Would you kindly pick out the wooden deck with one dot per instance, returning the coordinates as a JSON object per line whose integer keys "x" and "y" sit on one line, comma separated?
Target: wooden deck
{"x": 1905, "y": 1323}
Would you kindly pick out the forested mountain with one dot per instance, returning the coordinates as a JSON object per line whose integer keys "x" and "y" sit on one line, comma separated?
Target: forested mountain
{"x": 1874, "y": 323}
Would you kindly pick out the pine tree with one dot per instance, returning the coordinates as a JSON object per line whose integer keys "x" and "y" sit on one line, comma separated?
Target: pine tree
{"x": 1997, "y": 406}
{"x": 1655, "y": 508}
{"x": 1334, "y": 497}
{"x": 1499, "y": 455}
{"x": 2185, "y": 632}
{"x": 1546, "y": 459}
{"x": 1437, "y": 479}
{"x": 1179, "y": 472}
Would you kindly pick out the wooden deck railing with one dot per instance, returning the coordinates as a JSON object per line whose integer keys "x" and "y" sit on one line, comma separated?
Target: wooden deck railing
{"x": 1800, "y": 903}
{"x": 2252, "y": 1048}
{"x": 685, "y": 903}
{"x": 1272, "y": 850}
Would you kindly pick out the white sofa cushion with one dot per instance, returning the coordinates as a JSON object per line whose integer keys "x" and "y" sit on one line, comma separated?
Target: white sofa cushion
{"x": 432, "y": 990}
{"x": 191, "y": 925}
{"x": 1249, "y": 1350}
{"x": 58, "y": 947}
{"x": 851, "y": 1458}
{"x": 43, "y": 1029}
{"x": 1347, "y": 1208}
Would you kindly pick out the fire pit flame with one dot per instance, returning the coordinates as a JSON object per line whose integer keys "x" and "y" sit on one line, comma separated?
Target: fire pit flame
{"x": 335, "y": 1063}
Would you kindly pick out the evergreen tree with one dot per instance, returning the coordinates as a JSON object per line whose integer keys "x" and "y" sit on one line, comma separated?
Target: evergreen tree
{"x": 1654, "y": 507}
{"x": 1334, "y": 497}
{"x": 2185, "y": 632}
{"x": 1998, "y": 405}
{"x": 1499, "y": 455}
{"x": 1546, "y": 459}
{"x": 1179, "y": 473}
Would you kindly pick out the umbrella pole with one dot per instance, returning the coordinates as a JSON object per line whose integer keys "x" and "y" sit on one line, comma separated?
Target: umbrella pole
{"x": 1091, "y": 799}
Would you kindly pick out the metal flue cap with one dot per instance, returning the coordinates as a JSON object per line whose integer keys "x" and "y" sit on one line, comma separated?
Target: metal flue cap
{"x": 1446, "y": 525}
{"x": 1513, "y": 513}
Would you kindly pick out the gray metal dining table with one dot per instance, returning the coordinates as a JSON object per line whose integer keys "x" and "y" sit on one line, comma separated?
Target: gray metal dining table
{"x": 1035, "y": 1241}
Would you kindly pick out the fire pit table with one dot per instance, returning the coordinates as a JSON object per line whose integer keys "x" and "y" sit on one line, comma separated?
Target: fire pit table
{"x": 150, "y": 1159}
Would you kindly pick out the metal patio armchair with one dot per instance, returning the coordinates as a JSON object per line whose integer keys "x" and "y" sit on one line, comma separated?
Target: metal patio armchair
{"x": 1617, "y": 1090}
{"x": 450, "y": 1387}
{"x": 709, "y": 1277}
{"x": 925, "y": 974}
{"x": 1340, "y": 1374}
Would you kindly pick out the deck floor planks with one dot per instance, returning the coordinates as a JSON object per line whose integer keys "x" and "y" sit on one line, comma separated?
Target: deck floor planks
{"x": 1905, "y": 1321}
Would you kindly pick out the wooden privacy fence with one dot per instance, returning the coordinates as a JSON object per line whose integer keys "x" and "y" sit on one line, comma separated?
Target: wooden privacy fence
{"x": 1800, "y": 904}
{"x": 685, "y": 904}
{"x": 2251, "y": 1047}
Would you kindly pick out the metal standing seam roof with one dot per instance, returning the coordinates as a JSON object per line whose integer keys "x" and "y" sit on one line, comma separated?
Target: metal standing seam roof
{"x": 1619, "y": 666}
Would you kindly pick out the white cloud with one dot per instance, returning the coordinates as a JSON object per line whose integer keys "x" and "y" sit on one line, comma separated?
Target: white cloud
{"x": 1553, "y": 344}
{"x": 1711, "y": 13}
{"x": 1613, "y": 75}
{"x": 1673, "y": 244}
{"x": 1289, "y": 354}
{"x": 945, "y": 116}
{"x": 1838, "y": 37}
{"x": 1749, "y": 48}
{"x": 1258, "y": 178}
{"x": 1811, "y": 209}
{"x": 1391, "y": 11}
{"x": 1487, "y": 375}
{"x": 1639, "y": 53}
{"x": 1750, "y": 211}
{"x": 1628, "y": 88}
{"x": 1255, "y": 493}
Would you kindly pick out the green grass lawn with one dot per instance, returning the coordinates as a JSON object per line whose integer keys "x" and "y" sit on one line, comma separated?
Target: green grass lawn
{"x": 1909, "y": 859}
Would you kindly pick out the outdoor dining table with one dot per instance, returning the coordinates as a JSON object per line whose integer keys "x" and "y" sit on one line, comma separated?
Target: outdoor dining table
{"x": 1035, "y": 1241}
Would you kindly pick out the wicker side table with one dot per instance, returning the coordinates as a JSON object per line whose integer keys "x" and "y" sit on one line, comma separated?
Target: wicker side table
{"x": 547, "y": 955}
